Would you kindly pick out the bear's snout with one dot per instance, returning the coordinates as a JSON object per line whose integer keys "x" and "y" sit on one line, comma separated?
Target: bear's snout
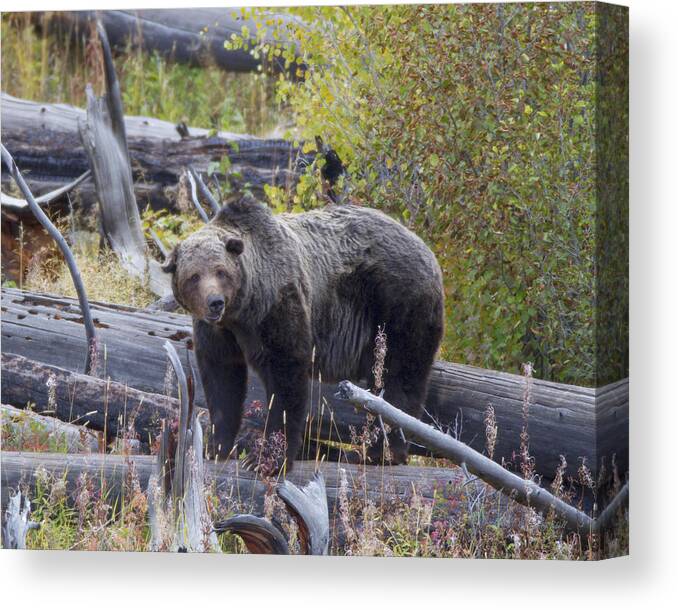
{"x": 215, "y": 304}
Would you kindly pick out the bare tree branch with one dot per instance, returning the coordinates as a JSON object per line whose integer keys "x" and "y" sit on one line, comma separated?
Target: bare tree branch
{"x": 206, "y": 193}
{"x": 90, "y": 331}
{"x": 19, "y": 204}
{"x": 194, "y": 197}
{"x": 524, "y": 491}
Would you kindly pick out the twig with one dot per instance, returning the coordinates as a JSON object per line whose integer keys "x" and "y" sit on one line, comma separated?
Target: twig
{"x": 90, "y": 331}
{"x": 206, "y": 193}
{"x": 194, "y": 197}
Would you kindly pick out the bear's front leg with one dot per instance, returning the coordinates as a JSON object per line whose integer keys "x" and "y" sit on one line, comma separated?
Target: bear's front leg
{"x": 223, "y": 372}
{"x": 286, "y": 341}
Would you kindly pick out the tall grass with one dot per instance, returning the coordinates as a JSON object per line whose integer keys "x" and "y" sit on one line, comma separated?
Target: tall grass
{"x": 41, "y": 63}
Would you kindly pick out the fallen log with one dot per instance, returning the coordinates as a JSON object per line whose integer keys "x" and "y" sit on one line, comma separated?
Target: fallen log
{"x": 245, "y": 488}
{"x": 100, "y": 404}
{"x": 44, "y": 140}
{"x": 194, "y": 36}
{"x": 573, "y": 421}
{"x": 28, "y": 428}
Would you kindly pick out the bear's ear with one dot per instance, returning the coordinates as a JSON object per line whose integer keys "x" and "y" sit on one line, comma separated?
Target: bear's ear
{"x": 170, "y": 264}
{"x": 235, "y": 245}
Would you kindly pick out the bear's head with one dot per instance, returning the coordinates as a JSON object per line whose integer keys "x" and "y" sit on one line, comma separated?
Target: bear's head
{"x": 206, "y": 274}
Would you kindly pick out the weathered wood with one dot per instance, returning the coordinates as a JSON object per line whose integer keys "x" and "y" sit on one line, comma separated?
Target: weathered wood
{"x": 380, "y": 485}
{"x": 104, "y": 138}
{"x": 308, "y": 506}
{"x": 185, "y": 501}
{"x": 17, "y": 524}
{"x": 194, "y": 36}
{"x": 44, "y": 140}
{"x": 525, "y": 491}
{"x": 100, "y": 404}
{"x": 31, "y": 427}
{"x": 260, "y": 536}
{"x": 563, "y": 419}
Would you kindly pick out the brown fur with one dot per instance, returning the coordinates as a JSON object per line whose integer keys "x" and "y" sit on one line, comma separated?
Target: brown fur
{"x": 323, "y": 280}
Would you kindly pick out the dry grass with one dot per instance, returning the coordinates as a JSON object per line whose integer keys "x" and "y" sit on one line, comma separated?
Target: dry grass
{"x": 103, "y": 276}
{"x": 468, "y": 520}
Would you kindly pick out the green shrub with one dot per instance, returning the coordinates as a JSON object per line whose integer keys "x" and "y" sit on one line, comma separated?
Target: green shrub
{"x": 474, "y": 124}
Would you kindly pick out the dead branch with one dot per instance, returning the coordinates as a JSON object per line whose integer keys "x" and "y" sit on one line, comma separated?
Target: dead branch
{"x": 194, "y": 197}
{"x": 20, "y": 204}
{"x": 524, "y": 491}
{"x": 90, "y": 331}
{"x": 206, "y": 193}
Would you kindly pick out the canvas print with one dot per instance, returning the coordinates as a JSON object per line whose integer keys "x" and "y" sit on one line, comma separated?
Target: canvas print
{"x": 339, "y": 280}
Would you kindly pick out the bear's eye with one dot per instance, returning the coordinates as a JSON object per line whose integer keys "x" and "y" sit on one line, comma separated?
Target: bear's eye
{"x": 221, "y": 274}
{"x": 194, "y": 278}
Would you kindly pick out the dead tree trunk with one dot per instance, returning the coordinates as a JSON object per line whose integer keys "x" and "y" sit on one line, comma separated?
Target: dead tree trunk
{"x": 194, "y": 36}
{"x": 563, "y": 419}
{"x": 104, "y": 138}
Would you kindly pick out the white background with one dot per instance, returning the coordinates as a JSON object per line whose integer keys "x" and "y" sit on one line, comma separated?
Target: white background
{"x": 647, "y": 579}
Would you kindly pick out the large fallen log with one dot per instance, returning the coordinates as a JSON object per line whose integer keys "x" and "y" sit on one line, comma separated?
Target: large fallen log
{"x": 381, "y": 485}
{"x": 194, "y": 36}
{"x": 28, "y": 428}
{"x": 44, "y": 141}
{"x": 577, "y": 422}
{"x": 100, "y": 404}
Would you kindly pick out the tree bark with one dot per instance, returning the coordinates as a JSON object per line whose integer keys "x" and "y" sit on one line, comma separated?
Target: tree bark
{"x": 564, "y": 420}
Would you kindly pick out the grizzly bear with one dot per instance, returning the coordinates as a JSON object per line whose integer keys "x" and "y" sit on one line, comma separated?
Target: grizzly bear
{"x": 276, "y": 291}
